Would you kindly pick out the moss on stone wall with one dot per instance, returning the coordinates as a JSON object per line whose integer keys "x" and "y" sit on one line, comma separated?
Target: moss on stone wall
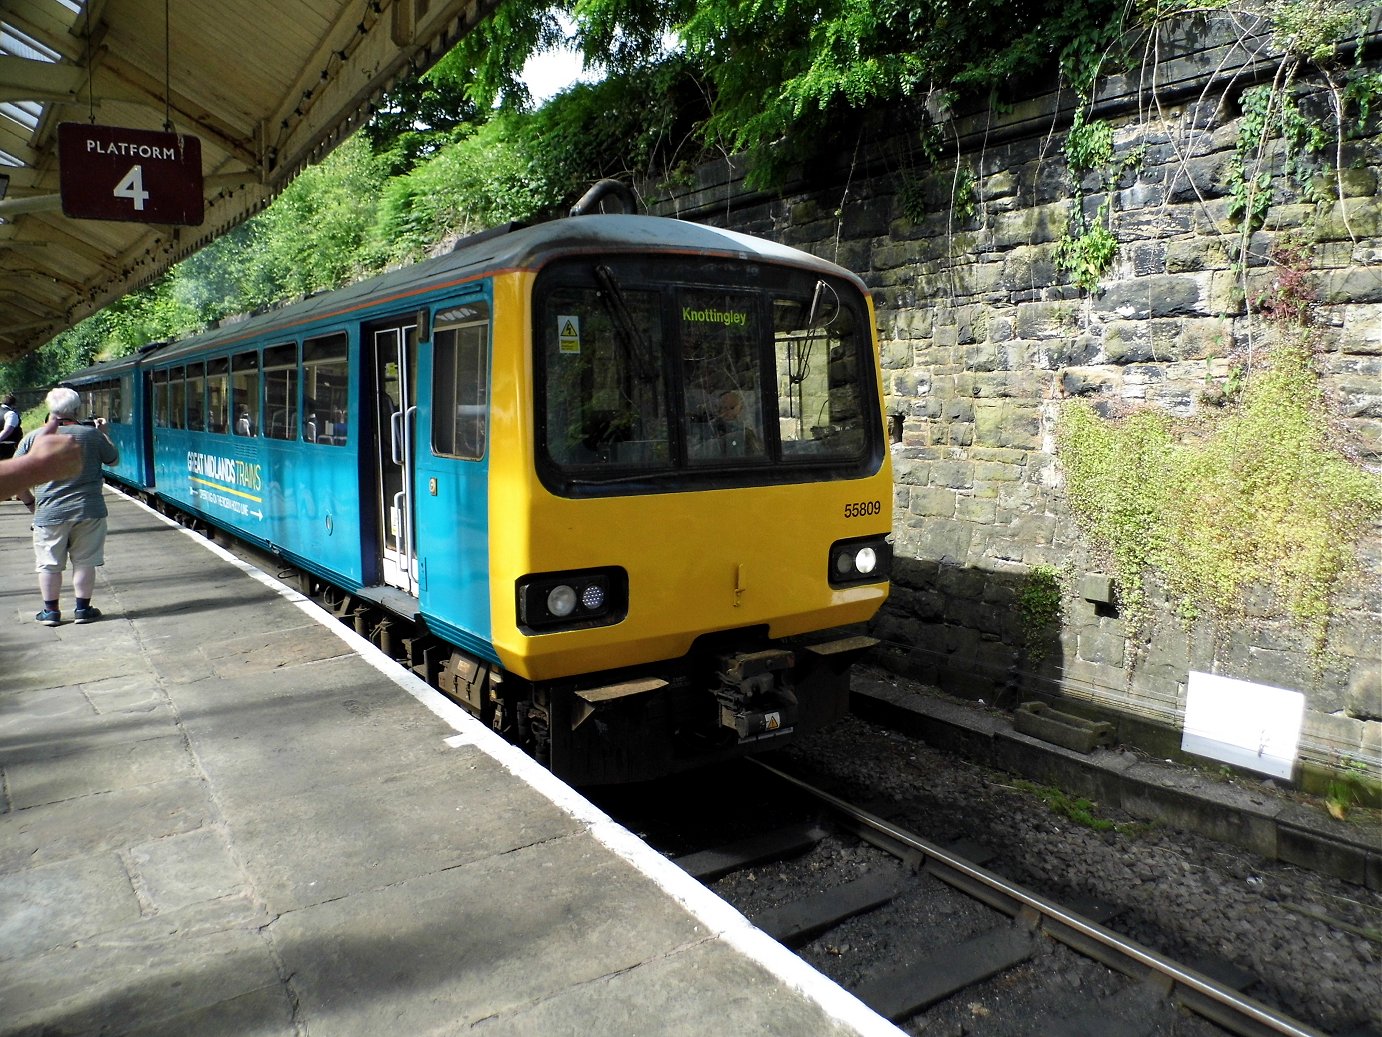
{"x": 1253, "y": 494}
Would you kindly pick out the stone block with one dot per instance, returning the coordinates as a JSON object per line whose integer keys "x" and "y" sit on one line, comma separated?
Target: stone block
{"x": 944, "y": 540}
{"x": 1046, "y": 320}
{"x": 1101, "y": 647}
{"x": 1164, "y": 295}
{"x": 956, "y": 474}
{"x": 932, "y": 501}
{"x": 980, "y": 512}
{"x": 1349, "y": 182}
{"x": 996, "y": 471}
{"x": 1152, "y": 224}
{"x": 1039, "y": 720}
{"x": 1147, "y": 257}
{"x": 1031, "y": 226}
{"x": 1352, "y": 219}
{"x": 1030, "y": 267}
{"x": 1353, "y": 285}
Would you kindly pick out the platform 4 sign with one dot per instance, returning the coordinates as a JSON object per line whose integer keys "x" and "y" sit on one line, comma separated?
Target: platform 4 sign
{"x": 140, "y": 176}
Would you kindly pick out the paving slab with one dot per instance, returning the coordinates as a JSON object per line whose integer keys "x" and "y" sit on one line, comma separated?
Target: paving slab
{"x": 223, "y": 813}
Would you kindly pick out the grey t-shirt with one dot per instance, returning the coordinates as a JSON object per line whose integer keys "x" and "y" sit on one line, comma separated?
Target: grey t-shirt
{"x": 80, "y": 497}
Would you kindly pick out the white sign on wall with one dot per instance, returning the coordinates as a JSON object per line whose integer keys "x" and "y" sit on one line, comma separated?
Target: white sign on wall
{"x": 1253, "y": 726}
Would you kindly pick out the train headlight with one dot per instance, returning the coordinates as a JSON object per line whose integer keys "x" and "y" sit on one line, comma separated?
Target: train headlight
{"x": 547, "y": 602}
{"x": 860, "y": 560}
{"x": 561, "y": 601}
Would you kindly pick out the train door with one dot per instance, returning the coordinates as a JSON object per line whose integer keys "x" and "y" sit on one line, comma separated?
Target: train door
{"x": 395, "y": 378}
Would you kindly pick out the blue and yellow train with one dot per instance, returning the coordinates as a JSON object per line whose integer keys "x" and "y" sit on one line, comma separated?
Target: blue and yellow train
{"x": 618, "y": 484}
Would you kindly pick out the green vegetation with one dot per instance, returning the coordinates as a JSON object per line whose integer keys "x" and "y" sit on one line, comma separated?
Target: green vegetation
{"x": 1087, "y": 248}
{"x": 1073, "y": 808}
{"x": 1346, "y": 788}
{"x": 1039, "y": 606}
{"x": 1252, "y": 495}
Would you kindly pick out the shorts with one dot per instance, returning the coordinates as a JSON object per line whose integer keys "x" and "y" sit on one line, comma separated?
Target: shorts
{"x": 83, "y": 542}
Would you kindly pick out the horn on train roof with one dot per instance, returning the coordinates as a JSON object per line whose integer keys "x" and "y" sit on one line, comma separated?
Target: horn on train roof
{"x": 593, "y": 200}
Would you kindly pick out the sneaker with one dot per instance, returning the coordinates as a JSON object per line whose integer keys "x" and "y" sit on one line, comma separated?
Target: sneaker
{"x": 86, "y": 615}
{"x": 49, "y": 618}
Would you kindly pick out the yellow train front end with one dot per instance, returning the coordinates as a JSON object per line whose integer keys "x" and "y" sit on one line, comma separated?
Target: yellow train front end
{"x": 690, "y": 505}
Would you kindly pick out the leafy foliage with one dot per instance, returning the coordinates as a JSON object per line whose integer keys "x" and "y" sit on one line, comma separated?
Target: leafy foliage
{"x": 1253, "y": 496}
{"x": 422, "y": 114}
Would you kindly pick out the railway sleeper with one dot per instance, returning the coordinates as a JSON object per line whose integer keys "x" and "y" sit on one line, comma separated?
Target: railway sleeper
{"x": 797, "y": 922}
{"x": 903, "y": 992}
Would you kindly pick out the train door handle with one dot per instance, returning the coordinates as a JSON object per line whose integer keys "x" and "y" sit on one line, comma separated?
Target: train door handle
{"x": 396, "y": 437}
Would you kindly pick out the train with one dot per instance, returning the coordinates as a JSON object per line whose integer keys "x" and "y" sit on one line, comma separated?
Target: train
{"x": 618, "y": 484}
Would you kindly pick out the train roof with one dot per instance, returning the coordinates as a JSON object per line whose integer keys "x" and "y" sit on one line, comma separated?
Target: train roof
{"x": 111, "y": 368}
{"x": 524, "y": 248}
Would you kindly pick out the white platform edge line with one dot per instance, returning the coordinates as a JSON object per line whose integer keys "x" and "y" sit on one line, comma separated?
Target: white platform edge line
{"x": 719, "y": 917}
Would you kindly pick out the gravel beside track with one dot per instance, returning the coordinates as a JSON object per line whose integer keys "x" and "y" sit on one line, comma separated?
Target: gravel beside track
{"x": 1198, "y": 901}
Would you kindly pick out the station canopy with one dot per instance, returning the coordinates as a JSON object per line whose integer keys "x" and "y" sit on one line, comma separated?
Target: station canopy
{"x": 262, "y": 87}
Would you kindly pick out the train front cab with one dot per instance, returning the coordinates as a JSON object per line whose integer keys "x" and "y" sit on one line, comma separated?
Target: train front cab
{"x": 655, "y": 595}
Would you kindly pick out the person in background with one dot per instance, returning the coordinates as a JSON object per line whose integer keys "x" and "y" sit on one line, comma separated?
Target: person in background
{"x": 10, "y": 432}
{"x": 70, "y": 514}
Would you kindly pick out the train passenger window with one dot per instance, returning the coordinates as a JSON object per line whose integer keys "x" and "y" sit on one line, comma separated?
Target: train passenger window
{"x": 605, "y": 385}
{"x": 460, "y": 381}
{"x": 244, "y": 390}
{"x": 281, "y": 391}
{"x": 125, "y": 404}
{"x": 196, "y": 397}
{"x": 818, "y": 347}
{"x": 91, "y": 400}
{"x": 218, "y": 395}
{"x": 722, "y": 376}
{"x": 325, "y": 390}
{"x": 161, "y": 399}
{"x": 177, "y": 397}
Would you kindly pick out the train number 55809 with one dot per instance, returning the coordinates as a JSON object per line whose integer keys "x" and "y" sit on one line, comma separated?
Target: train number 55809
{"x": 863, "y": 508}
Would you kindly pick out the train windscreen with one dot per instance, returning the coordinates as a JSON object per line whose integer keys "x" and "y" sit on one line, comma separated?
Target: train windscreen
{"x": 661, "y": 372}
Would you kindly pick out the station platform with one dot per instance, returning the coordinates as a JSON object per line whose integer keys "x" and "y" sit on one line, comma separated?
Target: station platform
{"x": 224, "y": 813}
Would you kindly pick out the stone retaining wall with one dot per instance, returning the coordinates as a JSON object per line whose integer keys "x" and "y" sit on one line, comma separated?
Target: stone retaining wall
{"x": 984, "y": 338}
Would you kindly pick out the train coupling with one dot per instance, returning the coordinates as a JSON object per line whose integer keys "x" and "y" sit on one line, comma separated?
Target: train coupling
{"x": 755, "y": 693}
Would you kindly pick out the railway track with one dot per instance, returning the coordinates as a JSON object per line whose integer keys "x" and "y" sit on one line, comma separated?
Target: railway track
{"x": 963, "y": 945}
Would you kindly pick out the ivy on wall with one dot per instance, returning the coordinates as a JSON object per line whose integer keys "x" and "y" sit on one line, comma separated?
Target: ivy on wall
{"x": 1253, "y": 491}
{"x": 1253, "y": 494}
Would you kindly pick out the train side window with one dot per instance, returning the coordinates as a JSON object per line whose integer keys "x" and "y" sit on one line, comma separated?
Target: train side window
{"x": 177, "y": 397}
{"x": 125, "y": 400}
{"x": 460, "y": 381}
{"x": 218, "y": 395}
{"x": 196, "y": 397}
{"x": 244, "y": 389}
{"x": 161, "y": 402}
{"x": 325, "y": 390}
{"x": 281, "y": 391}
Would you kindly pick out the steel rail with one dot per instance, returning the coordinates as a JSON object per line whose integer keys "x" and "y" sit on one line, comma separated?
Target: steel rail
{"x": 1243, "y": 1008}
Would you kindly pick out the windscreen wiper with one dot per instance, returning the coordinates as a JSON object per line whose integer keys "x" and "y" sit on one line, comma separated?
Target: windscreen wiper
{"x": 634, "y": 343}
